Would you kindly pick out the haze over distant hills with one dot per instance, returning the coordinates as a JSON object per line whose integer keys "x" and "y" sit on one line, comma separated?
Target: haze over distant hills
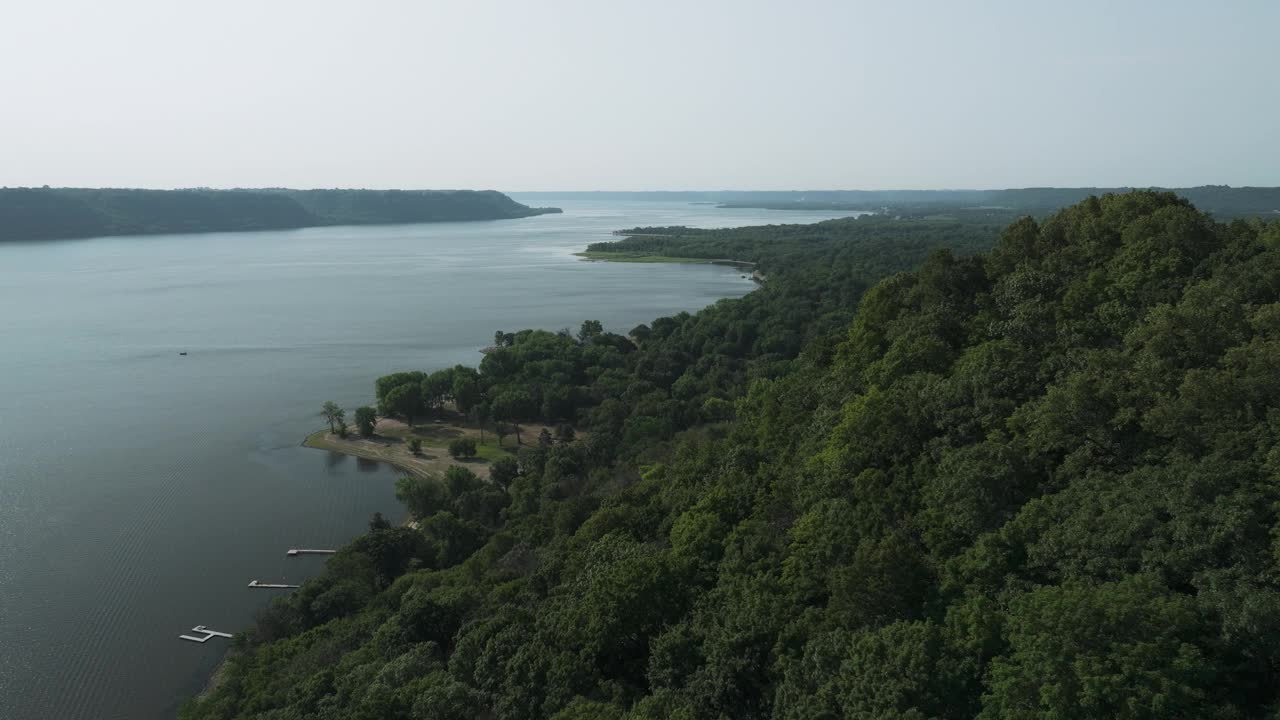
{"x": 51, "y": 213}
{"x": 1219, "y": 200}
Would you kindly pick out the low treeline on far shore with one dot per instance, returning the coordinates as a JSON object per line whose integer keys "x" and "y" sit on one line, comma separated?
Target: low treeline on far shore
{"x": 47, "y": 213}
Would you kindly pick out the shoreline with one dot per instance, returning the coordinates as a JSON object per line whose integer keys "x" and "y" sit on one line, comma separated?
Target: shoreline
{"x": 389, "y": 444}
{"x": 640, "y": 257}
{"x": 217, "y": 676}
{"x": 743, "y": 265}
{"x": 379, "y": 448}
{"x": 589, "y": 256}
{"x": 384, "y": 448}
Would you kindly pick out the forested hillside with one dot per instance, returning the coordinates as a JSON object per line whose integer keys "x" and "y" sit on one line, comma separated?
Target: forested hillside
{"x": 49, "y": 213}
{"x": 1036, "y": 482}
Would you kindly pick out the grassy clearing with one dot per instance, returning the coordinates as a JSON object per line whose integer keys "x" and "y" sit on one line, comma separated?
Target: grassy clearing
{"x": 389, "y": 444}
{"x": 489, "y": 450}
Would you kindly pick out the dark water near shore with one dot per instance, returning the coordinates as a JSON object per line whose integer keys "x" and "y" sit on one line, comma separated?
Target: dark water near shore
{"x": 140, "y": 491}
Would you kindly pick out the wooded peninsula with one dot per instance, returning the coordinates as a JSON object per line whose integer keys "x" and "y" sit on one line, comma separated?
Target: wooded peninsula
{"x": 932, "y": 468}
{"x": 58, "y": 213}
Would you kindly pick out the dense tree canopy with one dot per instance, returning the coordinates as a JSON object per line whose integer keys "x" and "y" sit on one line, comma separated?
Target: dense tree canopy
{"x": 1039, "y": 482}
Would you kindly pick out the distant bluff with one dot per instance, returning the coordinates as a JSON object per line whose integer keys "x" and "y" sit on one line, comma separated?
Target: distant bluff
{"x": 52, "y": 213}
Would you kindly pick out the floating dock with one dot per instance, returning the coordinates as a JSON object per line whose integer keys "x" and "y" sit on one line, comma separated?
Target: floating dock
{"x": 294, "y": 552}
{"x": 206, "y": 634}
{"x": 270, "y": 586}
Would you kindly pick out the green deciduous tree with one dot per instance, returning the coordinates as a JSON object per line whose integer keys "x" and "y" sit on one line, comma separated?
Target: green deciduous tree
{"x": 366, "y": 420}
{"x": 503, "y": 471}
{"x": 514, "y": 406}
{"x": 405, "y": 401}
{"x": 1129, "y": 650}
{"x": 462, "y": 448}
{"x": 332, "y": 414}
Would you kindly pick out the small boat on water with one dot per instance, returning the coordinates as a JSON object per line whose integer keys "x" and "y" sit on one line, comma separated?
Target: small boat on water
{"x": 184, "y": 352}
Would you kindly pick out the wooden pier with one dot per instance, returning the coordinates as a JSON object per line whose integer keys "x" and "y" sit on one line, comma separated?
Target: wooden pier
{"x": 271, "y": 586}
{"x": 294, "y": 552}
{"x": 206, "y": 634}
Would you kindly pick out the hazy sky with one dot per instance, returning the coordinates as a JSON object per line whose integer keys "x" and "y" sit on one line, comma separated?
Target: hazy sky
{"x": 557, "y": 94}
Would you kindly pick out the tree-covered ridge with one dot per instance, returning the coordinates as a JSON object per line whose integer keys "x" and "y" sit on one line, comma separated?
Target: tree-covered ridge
{"x": 1221, "y": 201}
{"x": 870, "y": 246}
{"x": 48, "y": 213}
{"x": 366, "y": 207}
{"x": 1038, "y": 482}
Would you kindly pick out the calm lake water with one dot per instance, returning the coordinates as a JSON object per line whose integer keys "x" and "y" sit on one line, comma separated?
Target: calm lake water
{"x": 140, "y": 491}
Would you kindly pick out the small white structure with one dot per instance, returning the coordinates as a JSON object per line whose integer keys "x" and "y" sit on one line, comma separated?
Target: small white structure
{"x": 270, "y": 586}
{"x": 205, "y": 632}
{"x": 308, "y": 551}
